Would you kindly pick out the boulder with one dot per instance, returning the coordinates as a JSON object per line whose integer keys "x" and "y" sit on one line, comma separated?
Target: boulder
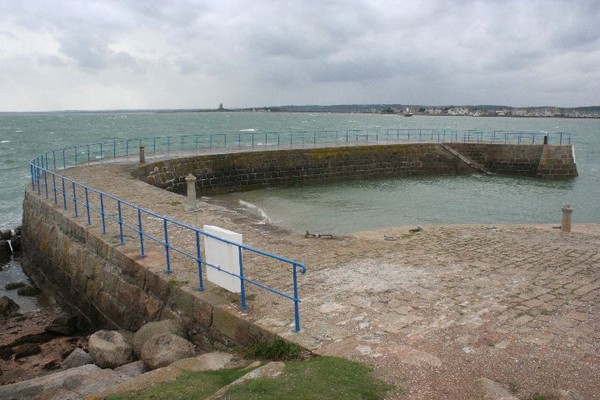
{"x": 15, "y": 242}
{"x": 64, "y": 324}
{"x": 164, "y": 349}
{"x": 14, "y": 285}
{"x": 8, "y": 307}
{"x": 133, "y": 369}
{"x": 77, "y": 358}
{"x": 5, "y": 250}
{"x": 18, "y": 231}
{"x": 28, "y": 290}
{"x": 5, "y": 234}
{"x": 154, "y": 328}
{"x": 110, "y": 349}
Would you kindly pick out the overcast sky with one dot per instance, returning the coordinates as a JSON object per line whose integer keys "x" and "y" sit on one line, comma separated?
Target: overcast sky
{"x": 102, "y": 54}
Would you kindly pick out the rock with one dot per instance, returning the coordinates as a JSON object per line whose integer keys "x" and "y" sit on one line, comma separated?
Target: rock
{"x": 5, "y": 250}
{"x": 15, "y": 242}
{"x": 26, "y": 350}
{"x": 154, "y": 328}
{"x": 28, "y": 290}
{"x": 491, "y": 390}
{"x": 564, "y": 395}
{"x": 77, "y": 358}
{"x": 5, "y": 234}
{"x": 133, "y": 369}
{"x": 163, "y": 349}
{"x": 14, "y": 285}
{"x": 18, "y": 231}
{"x": 8, "y": 307}
{"x": 204, "y": 362}
{"x": 110, "y": 349}
{"x": 270, "y": 370}
{"x": 34, "y": 387}
{"x": 64, "y": 324}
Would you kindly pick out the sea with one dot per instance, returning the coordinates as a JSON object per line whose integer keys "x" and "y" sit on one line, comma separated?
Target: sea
{"x": 328, "y": 208}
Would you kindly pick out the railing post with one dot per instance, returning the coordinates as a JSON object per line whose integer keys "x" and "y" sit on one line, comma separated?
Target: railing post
{"x": 140, "y": 232}
{"x": 142, "y": 154}
{"x": 74, "y": 200}
{"x": 199, "y": 261}
{"x": 46, "y": 182}
{"x": 242, "y": 280}
{"x": 32, "y": 169}
{"x": 64, "y": 193}
{"x": 120, "y": 215}
{"x": 167, "y": 255}
{"x": 296, "y": 299}
{"x": 54, "y": 188}
{"x": 102, "y": 213}
{"x": 87, "y": 205}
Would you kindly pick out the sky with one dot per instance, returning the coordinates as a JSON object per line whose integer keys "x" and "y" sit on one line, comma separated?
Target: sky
{"x": 172, "y": 54}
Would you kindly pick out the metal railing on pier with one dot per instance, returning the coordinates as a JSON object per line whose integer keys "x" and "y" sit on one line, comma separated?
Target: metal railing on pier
{"x": 112, "y": 212}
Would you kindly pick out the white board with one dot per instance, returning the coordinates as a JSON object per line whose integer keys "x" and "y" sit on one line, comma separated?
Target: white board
{"x": 224, "y": 255}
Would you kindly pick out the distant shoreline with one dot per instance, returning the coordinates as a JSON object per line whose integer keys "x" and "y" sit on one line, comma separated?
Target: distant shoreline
{"x": 586, "y": 112}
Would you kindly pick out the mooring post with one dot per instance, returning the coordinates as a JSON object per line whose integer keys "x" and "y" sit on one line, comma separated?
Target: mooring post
{"x": 142, "y": 154}
{"x": 565, "y": 225}
{"x": 191, "y": 193}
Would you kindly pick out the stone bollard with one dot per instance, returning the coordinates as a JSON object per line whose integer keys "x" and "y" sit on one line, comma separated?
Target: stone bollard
{"x": 142, "y": 154}
{"x": 191, "y": 193}
{"x": 565, "y": 225}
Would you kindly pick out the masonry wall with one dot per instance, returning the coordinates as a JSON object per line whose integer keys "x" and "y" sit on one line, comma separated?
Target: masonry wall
{"x": 543, "y": 161}
{"x": 107, "y": 285}
{"x": 242, "y": 171}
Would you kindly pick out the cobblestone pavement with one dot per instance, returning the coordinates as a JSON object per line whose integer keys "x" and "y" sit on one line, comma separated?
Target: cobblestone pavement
{"x": 430, "y": 311}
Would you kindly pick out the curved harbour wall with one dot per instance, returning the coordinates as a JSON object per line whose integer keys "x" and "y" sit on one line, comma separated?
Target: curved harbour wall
{"x": 246, "y": 170}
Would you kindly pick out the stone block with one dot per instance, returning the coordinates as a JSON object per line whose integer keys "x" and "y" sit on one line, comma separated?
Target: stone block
{"x": 230, "y": 325}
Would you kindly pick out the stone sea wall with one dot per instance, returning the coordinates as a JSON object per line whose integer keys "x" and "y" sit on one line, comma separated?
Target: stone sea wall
{"x": 242, "y": 171}
{"x": 108, "y": 286}
{"x": 542, "y": 161}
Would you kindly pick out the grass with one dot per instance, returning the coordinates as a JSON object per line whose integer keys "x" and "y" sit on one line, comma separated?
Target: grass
{"x": 190, "y": 385}
{"x": 329, "y": 378}
{"x": 277, "y": 350}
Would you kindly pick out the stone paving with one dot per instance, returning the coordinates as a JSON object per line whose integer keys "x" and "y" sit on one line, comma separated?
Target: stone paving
{"x": 432, "y": 311}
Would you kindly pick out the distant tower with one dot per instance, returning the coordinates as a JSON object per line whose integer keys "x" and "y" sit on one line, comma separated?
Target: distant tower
{"x": 221, "y": 107}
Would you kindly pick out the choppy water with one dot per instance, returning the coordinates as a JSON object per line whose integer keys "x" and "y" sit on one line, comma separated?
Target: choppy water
{"x": 339, "y": 207}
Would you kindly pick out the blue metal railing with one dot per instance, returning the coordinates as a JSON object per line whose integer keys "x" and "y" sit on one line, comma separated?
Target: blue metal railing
{"x": 118, "y": 148}
{"x": 143, "y": 223}
{"x": 73, "y": 195}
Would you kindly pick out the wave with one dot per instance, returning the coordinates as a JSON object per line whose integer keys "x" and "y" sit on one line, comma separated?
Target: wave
{"x": 255, "y": 210}
{"x": 248, "y": 130}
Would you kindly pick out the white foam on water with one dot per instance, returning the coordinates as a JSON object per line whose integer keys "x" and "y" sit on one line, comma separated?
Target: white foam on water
{"x": 5, "y": 141}
{"x": 254, "y": 209}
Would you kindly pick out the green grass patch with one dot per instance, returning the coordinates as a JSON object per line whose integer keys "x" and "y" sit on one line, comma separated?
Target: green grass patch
{"x": 178, "y": 283}
{"x": 329, "y": 378}
{"x": 277, "y": 350}
{"x": 319, "y": 378}
{"x": 188, "y": 386}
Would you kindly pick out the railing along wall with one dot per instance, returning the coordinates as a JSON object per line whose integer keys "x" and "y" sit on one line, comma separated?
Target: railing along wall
{"x": 181, "y": 242}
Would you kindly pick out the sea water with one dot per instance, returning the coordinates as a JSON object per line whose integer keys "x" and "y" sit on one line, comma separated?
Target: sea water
{"x": 338, "y": 207}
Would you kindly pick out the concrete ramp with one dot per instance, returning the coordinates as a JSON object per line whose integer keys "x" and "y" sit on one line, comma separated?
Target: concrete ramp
{"x": 468, "y": 161}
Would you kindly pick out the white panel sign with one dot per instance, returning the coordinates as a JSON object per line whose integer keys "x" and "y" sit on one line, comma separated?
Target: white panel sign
{"x": 224, "y": 255}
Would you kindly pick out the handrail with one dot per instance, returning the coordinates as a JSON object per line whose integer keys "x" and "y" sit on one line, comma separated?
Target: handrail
{"x": 69, "y": 193}
{"x": 140, "y": 220}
